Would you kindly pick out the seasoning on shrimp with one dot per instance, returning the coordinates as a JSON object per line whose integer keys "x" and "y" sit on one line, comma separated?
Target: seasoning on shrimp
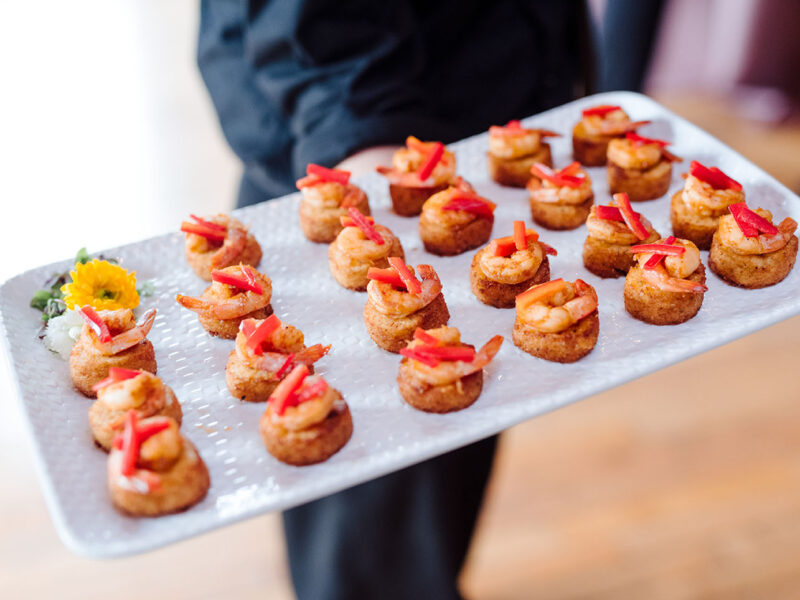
{"x": 597, "y": 127}
{"x": 560, "y": 199}
{"x": 639, "y": 166}
{"x": 441, "y": 374}
{"x": 666, "y": 284}
{"x": 748, "y": 250}
{"x": 218, "y": 242}
{"x": 110, "y": 338}
{"x": 327, "y": 194}
{"x": 236, "y": 293}
{"x": 456, "y": 220}
{"x": 557, "y": 320}
{"x": 513, "y": 149}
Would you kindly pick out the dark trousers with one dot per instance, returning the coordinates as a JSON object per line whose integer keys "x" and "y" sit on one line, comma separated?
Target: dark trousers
{"x": 402, "y": 536}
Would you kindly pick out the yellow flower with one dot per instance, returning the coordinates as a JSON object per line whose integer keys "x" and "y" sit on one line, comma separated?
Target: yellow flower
{"x": 102, "y": 285}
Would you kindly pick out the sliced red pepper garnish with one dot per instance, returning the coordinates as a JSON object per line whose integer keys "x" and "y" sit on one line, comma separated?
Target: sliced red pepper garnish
{"x": 311, "y": 391}
{"x": 285, "y": 366}
{"x": 430, "y": 163}
{"x": 750, "y": 222}
{"x": 448, "y": 353}
{"x": 211, "y": 234}
{"x": 630, "y": 217}
{"x": 389, "y": 276}
{"x": 600, "y": 111}
{"x": 609, "y": 213}
{"x": 238, "y": 281}
{"x": 348, "y": 222}
{"x": 415, "y": 354}
{"x": 714, "y": 177}
{"x": 537, "y": 292}
{"x": 261, "y": 333}
{"x": 324, "y": 174}
{"x": 251, "y": 277}
{"x": 520, "y": 239}
{"x": 412, "y": 284}
{"x": 281, "y": 396}
{"x": 640, "y": 140}
{"x": 209, "y": 224}
{"x": 425, "y": 337}
{"x": 95, "y": 322}
{"x": 558, "y": 178}
{"x": 656, "y": 259}
{"x": 476, "y": 205}
{"x": 151, "y": 428}
{"x": 130, "y": 444}
{"x": 665, "y": 249}
{"x": 115, "y": 374}
{"x": 571, "y": 168}
{"x": 503, "y": 247}
{"x": 365, "y": 226}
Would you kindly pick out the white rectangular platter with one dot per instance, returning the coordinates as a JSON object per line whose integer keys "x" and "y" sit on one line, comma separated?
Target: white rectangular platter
{"x": 388, "y": 434}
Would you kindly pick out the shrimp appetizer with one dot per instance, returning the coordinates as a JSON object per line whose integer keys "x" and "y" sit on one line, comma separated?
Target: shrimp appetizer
{"x": 705, "y": 197}
{"x": 124, "y": 390}
{"x": 236, "y": 293}
{"x": 509, "y": 266}
{"x": 456, "y": 220}
{"x": 666, "y": 284}
{"x": 751, "y": 252}
{"x": 265, "y": 353}
{"x": 639, "y": 166}
{"x": 418, "y": 171}
{"x": 398, "y": 303}
{"x": 153, "y": 470}
{"x": 512, "y": 151}
{"x": 218, "y": 242}
{"x": 611, "y": 231}
{"x": 599, "y": 125}
{"x": 306, "y": 421}
{"x": 439, "y": 373}
{"x": 557, "y": 320}
{"x": 362, "y": 244}
{"x": 110, "y": 338}
{"x": 327, "y": 195}
{"x": 560, "y": 199}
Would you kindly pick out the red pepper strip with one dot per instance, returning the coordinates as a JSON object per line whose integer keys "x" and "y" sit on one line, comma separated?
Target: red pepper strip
{"x": 425, "y": 337}
{"x": 751, "y": 220}
{"x": 250, "y": 276}
{"x": 412, "y": 283}
{"x": 324, "y": 174}
{"x": 117, "y": 442}
{"x": 130, "y": 444}
{"x": 389, "y": 276}
{"x": 237, "y": 281}
{"x": 549, "y": 249}
{"x": 640, "y": 140}
{"x": 714, "y": 177}
{"x": 285, "y": 366}
{"x": 503, "y": 247}
{"x": 308, "y": 181}
{"x": 247, "y": 327}
{"x": 514, "y": 124}
{"x": 348, "y": 222}
{"x": 544, "y": 172}
{"x": 609, "y": 213}
{"x": 213, "y": 235}
{"x": 414, "y": 354}
{"x": 601, "y": 110}
{"x": 262, "y": 333}
{"x": 430, "y": 163}
{"x": 148, "y": 430}
{"x": 281, "y": 396}
{"x": 95, "y": 322}
{"x": 538, "y": 292}
{"x": 631, "y": 218}
{"x": 665, "y": 249}
{"x": 520, "y": 239}
{"x": 472, "y": 204}
{"x": 115, "y": 374}
{"x": 448, "y": 353}
{"x": 656, "y": 259}
{"x": 311, "y": 391}
{"x": 209, "y": 224}
{"x": 571, "y": 169}
{"x": 365, "y": 226}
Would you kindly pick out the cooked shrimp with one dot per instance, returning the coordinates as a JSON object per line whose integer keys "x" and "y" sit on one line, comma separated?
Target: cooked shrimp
{"x": 550, "y": 193}
{"x": 121, "y": 321}
{"x": 560, "y": 310}
{"x": 703, "y": 199}
{"x": 730, "y": 235}
{"x": 613, "y": 232}
{"x": 447, "y": 372}
{"x": 285, "y": 342}
{"x": 160, "y": 451}
{"x": 232, "y": 247}
{"x": 145, "y": 392}
{"x": 391, "y": 301}
{"x": 359, "y": 248}
{"x": 308, "y": 413}
{"x": 516, "y": 267}
{"x": 407, "y": 161}
{"x": 223, "y": 301}
{"x": 670, "y": 275}
{"x": 613, "y": 123}
{"x": 331, "y": 195}
{"x": 630, "y": 155}
{"x": 524, "y": 143}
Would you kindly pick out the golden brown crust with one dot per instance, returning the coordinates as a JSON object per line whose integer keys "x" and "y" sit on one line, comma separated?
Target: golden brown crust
{"x": 515, "y": 172}
{"x": 183, "y": 486}
{"x": 356, "y": 279}
{"x": 658, "y": 307}
{"x": 200, "y": 262}
{"x": 690, "y": 226}
{"x": 640, "y": 185}
{"x": 566, "y": 346}
{"x": 392, "y": 333}
{"x": 249, "y": 384}
{"x": 308, "y": 446}
{"x": 590, "y": 151}
{"x": 438, "y": 398}
{"x": 449, "y": 241}
{"x": 102, "y": 417}
{"x": 560, "y": 216}
{"x": 408, "y": 201}
{"x": 323, "y": 225}
{"x": 502, "y": 295}
{"x": 88, "y": 366}
{"x": 610, "y": 260}
{"x": 752, "y": 270}
{"x": 228, "y": 328}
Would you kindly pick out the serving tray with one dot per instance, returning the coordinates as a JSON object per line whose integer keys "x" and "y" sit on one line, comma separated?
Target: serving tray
{"x": 388, "y": 434}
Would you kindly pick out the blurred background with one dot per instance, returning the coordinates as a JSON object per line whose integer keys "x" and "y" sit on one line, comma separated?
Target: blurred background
{"x": 684, "y": 484}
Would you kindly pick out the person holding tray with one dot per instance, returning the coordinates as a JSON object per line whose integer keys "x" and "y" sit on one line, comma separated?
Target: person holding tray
{"x": 343, "y": 85}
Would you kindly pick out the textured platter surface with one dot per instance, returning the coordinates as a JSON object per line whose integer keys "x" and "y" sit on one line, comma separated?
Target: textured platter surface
{"x": 388, "y": 434}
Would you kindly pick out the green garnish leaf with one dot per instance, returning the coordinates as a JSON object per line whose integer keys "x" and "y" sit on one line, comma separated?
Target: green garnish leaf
{"x": 82, "y": 256}
{"x": 40, "y": 298}
{"x": 147, "y": 288}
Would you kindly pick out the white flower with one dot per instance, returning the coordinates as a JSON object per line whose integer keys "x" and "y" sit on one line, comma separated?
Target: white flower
{"x": 62, "y": 332}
